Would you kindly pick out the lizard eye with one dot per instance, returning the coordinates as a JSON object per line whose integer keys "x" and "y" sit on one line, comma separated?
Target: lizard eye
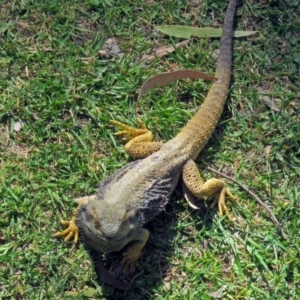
{"x": 96, "y": 221}
{"x": 129, "y": 215}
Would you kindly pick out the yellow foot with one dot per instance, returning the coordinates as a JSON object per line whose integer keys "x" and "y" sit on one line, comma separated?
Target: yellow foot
{"x": 219, "y": 199}
{"x": 139, "y": 141}
{"x": 69, "y": 233}
{"x": 130, "y": 133}
{"x": 211, "y": 189}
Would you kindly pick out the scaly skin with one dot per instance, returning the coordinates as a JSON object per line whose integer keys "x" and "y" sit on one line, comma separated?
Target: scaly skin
{"x": 139, "y": 191}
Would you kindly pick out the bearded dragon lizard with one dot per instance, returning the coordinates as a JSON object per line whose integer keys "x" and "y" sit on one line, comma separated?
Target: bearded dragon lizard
{"x": 136, "y": 193}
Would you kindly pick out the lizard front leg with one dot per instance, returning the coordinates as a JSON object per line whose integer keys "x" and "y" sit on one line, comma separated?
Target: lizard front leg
{"x": 72, "y": 230}
{"x": 134, "y": 250}
{"x": 212, "y": 189}
{"x": 139, "y": 141}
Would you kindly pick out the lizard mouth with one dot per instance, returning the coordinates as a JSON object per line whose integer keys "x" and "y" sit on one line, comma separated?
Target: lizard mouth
{"x": 110, "y": 238}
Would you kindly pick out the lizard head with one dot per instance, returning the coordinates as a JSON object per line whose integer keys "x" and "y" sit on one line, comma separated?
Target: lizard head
{"x": 111, "y": 225}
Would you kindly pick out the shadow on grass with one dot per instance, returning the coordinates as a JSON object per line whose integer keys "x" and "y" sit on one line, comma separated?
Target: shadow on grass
{"x": 154, "y": 265}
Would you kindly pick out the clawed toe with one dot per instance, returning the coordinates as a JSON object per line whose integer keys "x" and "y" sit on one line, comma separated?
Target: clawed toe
{"x": 70, "y": 232}
{"x": 128, "y": 131}
{"x": 219, "y": 200}
{"x": 128, "y": 265}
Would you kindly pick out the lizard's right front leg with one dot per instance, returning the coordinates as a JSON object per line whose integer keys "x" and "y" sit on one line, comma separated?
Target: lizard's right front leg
{"x": 140, "y": 142}
{"x": 72, "y": 230}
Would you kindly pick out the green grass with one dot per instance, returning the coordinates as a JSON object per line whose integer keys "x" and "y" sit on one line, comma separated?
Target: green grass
{"x": 54, "y": 81}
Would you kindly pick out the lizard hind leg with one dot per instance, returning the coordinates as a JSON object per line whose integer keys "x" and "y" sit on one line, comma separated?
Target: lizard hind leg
{"x": 212, "y": 189}
{"x": 139, "y": 141}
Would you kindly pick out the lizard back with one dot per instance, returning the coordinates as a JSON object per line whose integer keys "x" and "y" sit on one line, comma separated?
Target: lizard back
{"x": 147, "y": 184}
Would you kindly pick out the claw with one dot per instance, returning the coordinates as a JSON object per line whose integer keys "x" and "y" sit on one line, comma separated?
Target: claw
{"x": 70, "y": 232}
{"x": 220, "y": 200}
{"x": 141, "y": 124}
{"x": 121, "y": 132}
{"x": 138, "y": 141}
{"x": 130, "y": 132}
{"x": 120, "y": 124}
{"x": 129, "y": 264}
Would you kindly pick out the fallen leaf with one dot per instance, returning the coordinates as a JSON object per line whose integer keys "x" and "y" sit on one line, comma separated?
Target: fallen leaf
{"x": 164, "y": 50}
{"x": 216, "y": 54}
{"x": 268, "y": 101}
{"x": 18, "y": 126}
{"x": 111, "y": 48}
{"x": 267, "y": 150}
{"x": 218, "y": 294}
{"x": 187, "y": 32}
{"x": 168, "y": 77}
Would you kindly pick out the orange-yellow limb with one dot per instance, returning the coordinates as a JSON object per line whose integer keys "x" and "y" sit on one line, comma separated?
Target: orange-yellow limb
{"x": 211, "y": 189}
{"x": 69, "y": 233}
{"x": 139, "y": 141}
{"x": 72, "y": 230}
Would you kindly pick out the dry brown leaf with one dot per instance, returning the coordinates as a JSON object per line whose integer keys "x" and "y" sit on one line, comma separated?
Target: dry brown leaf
{"x": 267, "y": 150}
{"x": 218, "y": 294}
{"x": 18, "y": 126}
{"x": 164, "y": 50}
{"x": 111, "y": 48}
{"x": 169, "y": 77}
{"x": 268, "y": 101}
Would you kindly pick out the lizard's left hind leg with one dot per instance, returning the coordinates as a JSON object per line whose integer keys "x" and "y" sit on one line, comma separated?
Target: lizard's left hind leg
{"x": 212, "y": 189}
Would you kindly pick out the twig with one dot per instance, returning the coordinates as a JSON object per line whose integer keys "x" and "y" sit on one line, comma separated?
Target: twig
{"x": 274, "y": 130}
{"x": 273, "y": 218}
